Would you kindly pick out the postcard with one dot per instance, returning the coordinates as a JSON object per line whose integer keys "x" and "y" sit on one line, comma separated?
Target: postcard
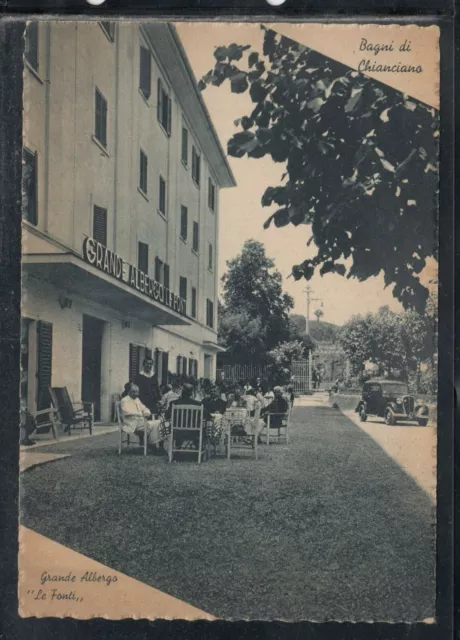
{"x": 229, "y": 321}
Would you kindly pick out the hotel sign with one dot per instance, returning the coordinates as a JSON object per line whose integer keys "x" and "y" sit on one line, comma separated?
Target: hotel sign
{"x": 109, "y": 262}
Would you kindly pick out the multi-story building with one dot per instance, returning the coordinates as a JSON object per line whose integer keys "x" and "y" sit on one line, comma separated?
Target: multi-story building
{"x": 122, "y": 170}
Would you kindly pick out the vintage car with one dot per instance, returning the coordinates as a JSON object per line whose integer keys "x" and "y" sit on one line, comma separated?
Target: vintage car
{"x": 391, "y": 401}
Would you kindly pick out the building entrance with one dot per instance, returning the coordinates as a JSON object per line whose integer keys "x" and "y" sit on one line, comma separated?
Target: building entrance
{"x": 91, "y": 371}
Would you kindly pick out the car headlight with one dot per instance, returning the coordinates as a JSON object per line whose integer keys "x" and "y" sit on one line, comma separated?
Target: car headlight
{"x": 399, "y": 400}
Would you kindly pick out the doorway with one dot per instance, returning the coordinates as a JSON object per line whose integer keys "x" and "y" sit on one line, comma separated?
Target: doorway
{"x": 91, "y": 367}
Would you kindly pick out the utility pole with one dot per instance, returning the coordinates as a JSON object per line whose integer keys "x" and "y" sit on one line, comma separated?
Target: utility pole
{"x": 309, "y": 291}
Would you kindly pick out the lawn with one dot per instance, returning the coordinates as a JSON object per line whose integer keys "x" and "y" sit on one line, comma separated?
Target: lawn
{"x": 327, "y": 528}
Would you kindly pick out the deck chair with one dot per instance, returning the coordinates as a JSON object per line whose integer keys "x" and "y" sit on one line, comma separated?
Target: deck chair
{"x": 236, "y": 425}
{"x": 43, "y": 421}
{"x": 119, "y": 416}
{"x": 72, "y": 414}
{"x": 278, "y": 426}
{"x": 187, "y": 423}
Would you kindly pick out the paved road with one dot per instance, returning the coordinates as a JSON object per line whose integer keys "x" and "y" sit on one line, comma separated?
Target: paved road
{"x": 329, "y": 528}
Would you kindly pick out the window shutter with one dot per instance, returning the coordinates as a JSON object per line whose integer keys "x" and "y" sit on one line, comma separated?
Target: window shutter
{"x": 190, "y": 367}
{"x": 31, "y": 44}
{"x": 29, "y": 186}
{"x": 165, "y": 367}
{"x": 184, "y": 146}
{"x": 157, "y": 361}
{"x": 134, "y": 361}
{"x": 157, "y": 269}
{"x": 44, "y": 368}
{"x": 145, "y": 72}
{"x": 100, "y": 225}
{"x": 159, "y": 100}
{"x": 104, "y": 122}
{"x": 168, "y": 124}
{"x": 143, "y": 257}
{"x": 195, "y": 373}
{"x": 179, "y": 365}
{"x": 166, "y": 276}
{"x": 184, "y": 366}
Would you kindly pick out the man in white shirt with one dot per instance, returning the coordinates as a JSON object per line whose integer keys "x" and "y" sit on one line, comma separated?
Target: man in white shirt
{"x": 136, "y": 416}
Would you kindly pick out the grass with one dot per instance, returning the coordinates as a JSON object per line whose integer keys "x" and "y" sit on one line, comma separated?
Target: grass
{"x": 328, "y": 528}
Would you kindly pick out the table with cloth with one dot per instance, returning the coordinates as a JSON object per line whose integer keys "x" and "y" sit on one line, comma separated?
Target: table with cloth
{"x": 233, "y": 423}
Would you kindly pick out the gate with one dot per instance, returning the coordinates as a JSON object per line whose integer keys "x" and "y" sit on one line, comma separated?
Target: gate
{"x": 301, "y": 376}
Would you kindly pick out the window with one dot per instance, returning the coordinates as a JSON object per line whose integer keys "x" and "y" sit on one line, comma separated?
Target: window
{"x": 143, "y": 172}
{"x": 193, "y": 302}
{"x": 145, "y": 72}
{"x": 196, "y": 237}
{"x": 183, "y": 290}
{"x": 179, "y": 365}
{"x": 162, "y": 272}
{"x": 210, "y": 257}
{"x": 196, "y": 160}
{"x": 143, "y": 257}
{"x": 100, "y": 125}
{"x": 100, "y": 225}
{"x": 31, "y": 45}
{"x": 211, "y": 195}
{"x": 185, "y": 146}
{"x": 158, "y": 269}
{"x": 164, "y": 108}
{"x": 193, "y": 367}
{"x": 183, "y": 222}
{"x": 162, "y": 197}
{"x": 209, "y": 314}
{"x": 108, "y": 28}
{"x": 29, "y": 186}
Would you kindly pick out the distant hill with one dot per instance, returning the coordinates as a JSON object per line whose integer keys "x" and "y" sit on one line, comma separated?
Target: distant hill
{"x": 323, "y": 331}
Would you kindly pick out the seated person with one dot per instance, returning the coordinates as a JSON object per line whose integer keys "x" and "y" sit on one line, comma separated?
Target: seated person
{"x": 213, "y": 403}
{"x": 278, "y": 406}
{"x": 186, "y": 398}
{"x": 269, "y": 397}
{"x": 253, "y": 402}
{"x": 135, "y": 415}
{"x": 237, "y": 401}
{"x": 126, "y": 389}
{"x": 168, "y": 396}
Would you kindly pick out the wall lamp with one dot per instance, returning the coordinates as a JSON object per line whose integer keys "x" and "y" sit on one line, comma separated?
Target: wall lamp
{"x": 125, "y": 324}
{"x": 66, "y": 303}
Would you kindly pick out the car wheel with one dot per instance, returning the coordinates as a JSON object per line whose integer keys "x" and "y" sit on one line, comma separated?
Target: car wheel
{"x": 362, "y": 415}
{"x": 389, "y": 417}
{"x": 422, "y": 422}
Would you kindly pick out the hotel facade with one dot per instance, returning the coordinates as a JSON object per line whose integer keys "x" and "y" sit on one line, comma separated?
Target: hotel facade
{"x": 122, "y": 170}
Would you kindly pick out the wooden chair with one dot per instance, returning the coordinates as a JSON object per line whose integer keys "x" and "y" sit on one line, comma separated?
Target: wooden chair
{"x": 187, "y": 423}
{"x": 278, "y": 422}
{"x": 235, "y": 425}
{"x": 44, "y": 421}
{"x": 72, "y": 414}
{"x": 121, "y": 431}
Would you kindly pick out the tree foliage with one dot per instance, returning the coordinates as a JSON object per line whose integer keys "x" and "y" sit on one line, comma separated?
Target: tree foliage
{"x": 319, "y": 313}
{"x": 281, "y": 357}
{"x": 395, "y": 342}
{"x": 361, "y": 160}
{"x": 254, "y": 315}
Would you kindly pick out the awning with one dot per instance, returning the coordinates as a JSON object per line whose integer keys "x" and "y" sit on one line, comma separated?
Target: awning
{"x": 213, "y": 346}
{"x": 69, "y": 272}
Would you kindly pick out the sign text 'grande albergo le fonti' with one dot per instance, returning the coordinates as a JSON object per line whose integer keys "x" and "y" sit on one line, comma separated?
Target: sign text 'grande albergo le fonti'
{"x": 109, "y": 262}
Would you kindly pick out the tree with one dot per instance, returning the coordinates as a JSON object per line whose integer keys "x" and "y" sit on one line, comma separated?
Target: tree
{"x": 254, "y": 315}
{"x": 361, "y": 160}
{"x": 298, "y": 323}
{"x": 395, "y": 342}
{"x": 319, "y": 313}
{"x": 281, "y": 357}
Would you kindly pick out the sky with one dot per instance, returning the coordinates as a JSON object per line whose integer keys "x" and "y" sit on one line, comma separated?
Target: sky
{"x": 240, "y": 210}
